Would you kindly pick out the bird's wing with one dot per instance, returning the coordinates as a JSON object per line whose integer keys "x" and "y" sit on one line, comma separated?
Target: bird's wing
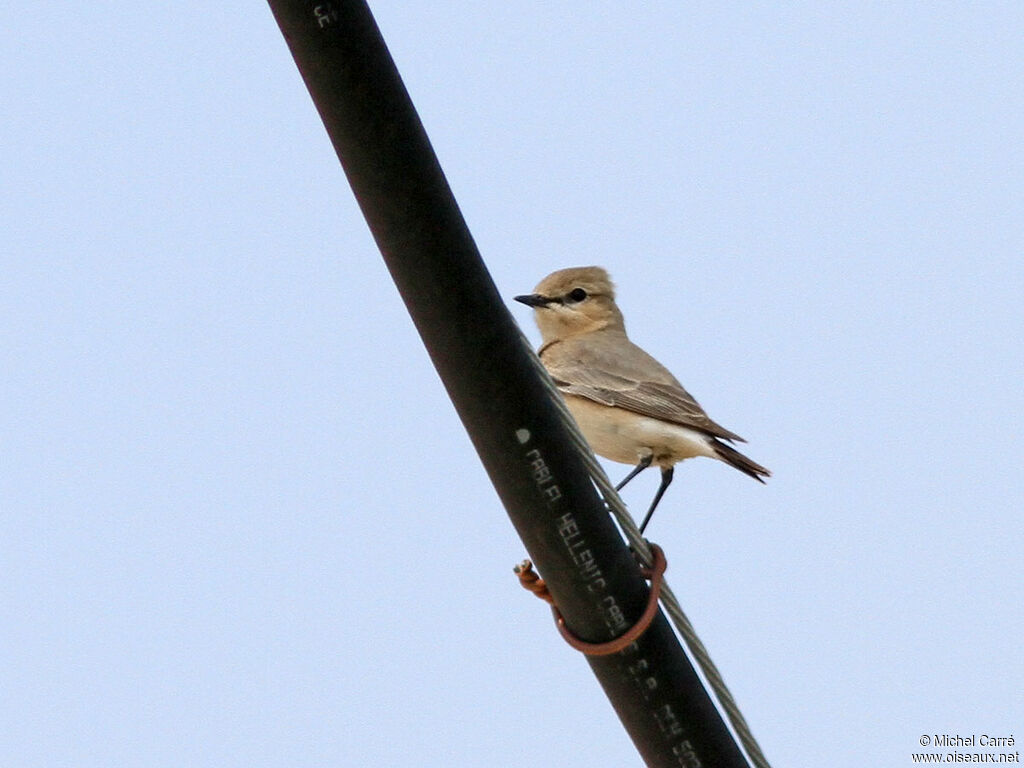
{"x": 659, "y": 401}
{"x": 615, "y": 383}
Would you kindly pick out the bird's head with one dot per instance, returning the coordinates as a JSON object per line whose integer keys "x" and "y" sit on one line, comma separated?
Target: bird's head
{"x": 571, "y": 302}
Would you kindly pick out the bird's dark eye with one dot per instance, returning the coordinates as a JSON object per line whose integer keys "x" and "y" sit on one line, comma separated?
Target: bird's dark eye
{"x": 577, "y": 294}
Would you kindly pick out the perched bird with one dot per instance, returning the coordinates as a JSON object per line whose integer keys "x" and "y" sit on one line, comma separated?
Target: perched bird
{"x": 629, "y": 407}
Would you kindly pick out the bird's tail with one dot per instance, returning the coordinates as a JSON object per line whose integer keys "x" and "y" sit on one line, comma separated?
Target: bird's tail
{"x": 734, "y": 458}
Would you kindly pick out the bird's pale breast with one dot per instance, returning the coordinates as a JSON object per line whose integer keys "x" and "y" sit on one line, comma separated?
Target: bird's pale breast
{"x": 627, "y": 437}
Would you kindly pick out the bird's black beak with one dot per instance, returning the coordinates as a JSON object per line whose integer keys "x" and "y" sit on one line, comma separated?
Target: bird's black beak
{"x": 534, "y": 300}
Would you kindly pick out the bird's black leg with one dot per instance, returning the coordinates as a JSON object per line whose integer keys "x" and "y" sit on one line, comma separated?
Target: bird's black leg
{"x": 666, "y": 478}
{"x": 645, "y": 462}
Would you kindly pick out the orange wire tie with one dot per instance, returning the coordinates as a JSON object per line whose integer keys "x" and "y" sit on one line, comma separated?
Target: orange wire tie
{"x": 529, "y": 579}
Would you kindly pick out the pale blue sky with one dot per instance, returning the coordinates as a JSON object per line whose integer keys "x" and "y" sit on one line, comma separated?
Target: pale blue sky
{"x": 240, "y": 523}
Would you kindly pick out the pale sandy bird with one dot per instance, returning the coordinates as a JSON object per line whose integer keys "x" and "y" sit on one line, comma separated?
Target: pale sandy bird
{"x": 629, "y": 407}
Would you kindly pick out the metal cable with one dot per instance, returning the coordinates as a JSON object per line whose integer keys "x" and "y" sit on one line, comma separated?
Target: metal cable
{"x": 693, "y": 643}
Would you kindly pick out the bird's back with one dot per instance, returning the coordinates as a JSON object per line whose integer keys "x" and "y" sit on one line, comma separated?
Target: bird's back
{"x": 606, "y": 354}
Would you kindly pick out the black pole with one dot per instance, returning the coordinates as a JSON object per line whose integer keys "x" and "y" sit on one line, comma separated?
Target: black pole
{"x": 480, "y": 356}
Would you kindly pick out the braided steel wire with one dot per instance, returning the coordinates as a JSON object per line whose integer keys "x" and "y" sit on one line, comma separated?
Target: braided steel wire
{"x": 692, "y": 642}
